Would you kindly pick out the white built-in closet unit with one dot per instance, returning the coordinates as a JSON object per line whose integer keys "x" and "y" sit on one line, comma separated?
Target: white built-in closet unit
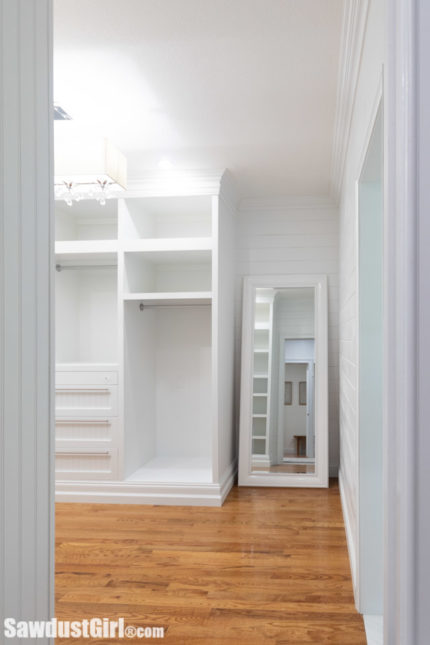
{"x": 144, "y": 345}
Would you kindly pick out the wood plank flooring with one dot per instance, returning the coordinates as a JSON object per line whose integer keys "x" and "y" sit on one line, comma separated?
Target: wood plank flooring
{"x": 270, "y": 566}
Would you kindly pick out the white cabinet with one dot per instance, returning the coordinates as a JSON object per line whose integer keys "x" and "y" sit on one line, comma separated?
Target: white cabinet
{"x": 86, "y": 425}
{"x": 86, "y": 400}
{"x": 155, "y": 302}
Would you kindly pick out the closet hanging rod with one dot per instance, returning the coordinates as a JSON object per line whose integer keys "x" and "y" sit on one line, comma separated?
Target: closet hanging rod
{"x": 63, "y": 267}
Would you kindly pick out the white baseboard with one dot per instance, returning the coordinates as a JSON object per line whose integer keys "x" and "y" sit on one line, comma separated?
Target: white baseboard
{"x": 125, "y": 492}
{"x": 374, "y": 629}
{"x": 349, "y": 538}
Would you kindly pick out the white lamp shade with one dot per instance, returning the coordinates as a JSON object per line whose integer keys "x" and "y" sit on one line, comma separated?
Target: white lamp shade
{"x": 84, "y": 158}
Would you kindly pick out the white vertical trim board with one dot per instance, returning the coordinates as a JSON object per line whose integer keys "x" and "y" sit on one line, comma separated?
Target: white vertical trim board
{"x": 363, "y": 111}
{"x": 369, "y": 253}
{"x": 26, "y": 374}
{"x": 353, "y": 31}
{"x": 374, "y": 626}
{"x": 407, "y": 325}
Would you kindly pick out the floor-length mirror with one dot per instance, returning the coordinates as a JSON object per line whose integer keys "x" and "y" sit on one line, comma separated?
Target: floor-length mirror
{"x": 283, "y": 416}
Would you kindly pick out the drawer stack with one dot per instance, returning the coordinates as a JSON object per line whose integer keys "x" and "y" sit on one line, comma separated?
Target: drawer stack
{"x": 86, "y": 424}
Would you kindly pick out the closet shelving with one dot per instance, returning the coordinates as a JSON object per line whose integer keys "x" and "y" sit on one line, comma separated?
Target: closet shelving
{"x": 149, "y": 284}
{"x": 261, "y": 377}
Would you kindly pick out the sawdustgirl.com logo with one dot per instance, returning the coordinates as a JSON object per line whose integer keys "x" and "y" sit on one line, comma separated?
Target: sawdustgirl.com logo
{"x": 88, "y": 628}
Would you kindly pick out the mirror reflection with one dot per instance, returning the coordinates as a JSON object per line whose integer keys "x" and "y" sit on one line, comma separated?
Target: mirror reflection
{"x": 283, "y": 400}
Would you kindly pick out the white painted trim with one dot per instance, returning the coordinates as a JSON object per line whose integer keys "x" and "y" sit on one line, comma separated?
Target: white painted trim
{"x": 374, "y": 626}
{"x": 353, "y": 32}
{"x": 320, "y": 477}
{"x": 401, "y": 229}
{"x": 124, "y": 492}
{"x": 26, "y": 338}
{"x": 349, "y": 535}
{"x": 174, "y": 183}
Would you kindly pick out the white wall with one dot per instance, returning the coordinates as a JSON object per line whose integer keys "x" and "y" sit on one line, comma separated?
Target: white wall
{"x": 364, "y": 112}
{"x": 183, "y": 401}
{"x": 295, "y": 236}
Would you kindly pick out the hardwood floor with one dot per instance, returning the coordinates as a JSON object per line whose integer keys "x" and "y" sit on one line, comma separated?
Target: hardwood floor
{"x": 270, "y": 566}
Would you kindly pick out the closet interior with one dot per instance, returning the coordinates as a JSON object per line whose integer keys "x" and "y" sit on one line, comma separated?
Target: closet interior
{"x": 144, "y": 323}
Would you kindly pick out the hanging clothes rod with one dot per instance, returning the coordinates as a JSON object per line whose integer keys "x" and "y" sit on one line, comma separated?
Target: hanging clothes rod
{"x": 77, "y": 267}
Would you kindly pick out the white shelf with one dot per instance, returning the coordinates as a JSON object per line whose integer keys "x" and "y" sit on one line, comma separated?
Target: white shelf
{"x": 259, "y": 438}
{"x": 259, "y": 416}
{"x": 261, "y": 325}
{"x": 261, "y": 351}
{"x": 174, "y": 470}
{"x": 173, "y": 298}
{"x": 164, "y": 245}
{"x": 260, "y": 376}
{"x": 260, "y": 394}
{"x": 161, "y": 257}
{"x": 85, "y": 250}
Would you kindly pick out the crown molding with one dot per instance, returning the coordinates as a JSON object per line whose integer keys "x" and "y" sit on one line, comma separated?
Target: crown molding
{"x": 304, "y": 202}
{"x": 165, "y": 183}
{"x": 352, "y": 39}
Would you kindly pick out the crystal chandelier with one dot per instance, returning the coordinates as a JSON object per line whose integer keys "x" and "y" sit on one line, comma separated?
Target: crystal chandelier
{"x": 87, "y": 166}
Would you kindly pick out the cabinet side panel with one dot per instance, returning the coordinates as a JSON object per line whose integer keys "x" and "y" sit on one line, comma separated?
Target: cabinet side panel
{"x": 227, "y": 443}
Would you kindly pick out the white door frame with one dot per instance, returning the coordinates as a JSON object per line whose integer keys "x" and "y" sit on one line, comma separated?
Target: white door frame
{"x": 281, "y": 411}
{"x": 407, "y": 317}
{"x": 407, "y": 324}
{"x": 26, "y": 338}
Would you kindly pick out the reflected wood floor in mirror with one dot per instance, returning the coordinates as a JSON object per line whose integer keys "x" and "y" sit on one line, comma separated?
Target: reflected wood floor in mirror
{"x": 286, "y": 468}
{"x": 270, "y": 566}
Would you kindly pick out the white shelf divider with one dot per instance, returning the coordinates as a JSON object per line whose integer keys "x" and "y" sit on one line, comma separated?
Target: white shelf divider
{"x": 172, "y": 298}
{"x": 86, "y": 252}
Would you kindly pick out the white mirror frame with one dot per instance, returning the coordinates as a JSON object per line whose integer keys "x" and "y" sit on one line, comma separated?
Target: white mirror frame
{"x": 319, "y": 479}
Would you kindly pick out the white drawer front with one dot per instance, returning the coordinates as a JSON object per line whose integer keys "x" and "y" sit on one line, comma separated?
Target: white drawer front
{"x": 86, "y": 401}
{"x": 96, "y": 429}
{"x": 86, "y": 378}
{"x": 98, "y": 448}
{"x": 83, "y": 467}
{"x": 86, "y": 449}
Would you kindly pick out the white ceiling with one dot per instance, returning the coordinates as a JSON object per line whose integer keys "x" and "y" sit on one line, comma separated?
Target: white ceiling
{"x": 248, "y": 85}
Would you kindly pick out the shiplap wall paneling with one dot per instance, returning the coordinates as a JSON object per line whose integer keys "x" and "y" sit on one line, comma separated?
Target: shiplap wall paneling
{"x": 296, "y": 236}
{"x": 26, "y": 376}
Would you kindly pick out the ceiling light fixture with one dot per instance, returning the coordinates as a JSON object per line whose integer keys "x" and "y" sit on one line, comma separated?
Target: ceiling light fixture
{"x": 87, "y": 166}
